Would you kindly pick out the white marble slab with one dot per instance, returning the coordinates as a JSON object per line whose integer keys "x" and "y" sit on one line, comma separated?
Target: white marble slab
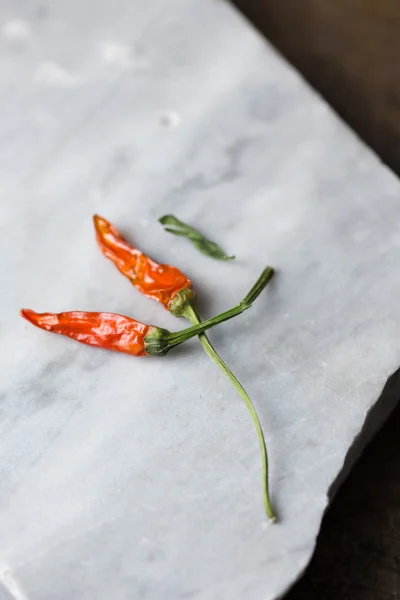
{"x": 125, "y": 478}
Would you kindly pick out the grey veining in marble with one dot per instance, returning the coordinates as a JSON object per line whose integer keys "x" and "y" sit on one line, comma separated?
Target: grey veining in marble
{"x": 125, "y": 478}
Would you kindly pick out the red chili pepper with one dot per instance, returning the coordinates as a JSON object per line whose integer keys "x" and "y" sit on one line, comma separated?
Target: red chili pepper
{"x": 106, "y": 330}
{"x": 160, "y": 282}
{"x": 123, "y": 334}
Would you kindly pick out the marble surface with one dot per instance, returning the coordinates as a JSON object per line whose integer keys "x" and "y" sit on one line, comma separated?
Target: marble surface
{"x": 133, "y": 478}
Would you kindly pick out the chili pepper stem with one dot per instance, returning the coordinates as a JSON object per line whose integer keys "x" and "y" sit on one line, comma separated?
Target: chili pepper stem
{"x": 173, "y": 339}
{"x": 259, "y": 285}
{"x": 191, "y": 314}
{"x": 159, "y": 341}
{"x": 181, "y": 336}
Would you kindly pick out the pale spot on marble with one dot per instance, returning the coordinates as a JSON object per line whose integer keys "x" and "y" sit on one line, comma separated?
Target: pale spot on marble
{"x": 16, "y": 29}
{"x": 170, "y": 118}
{"x": 10, "y": 584}
{"x": 43, "y": 118}
{"x": 116, "y": 54}
{"x": 96, "y": 195}
{"x": 360, "y": 236}
{"x": 54, "y": 74}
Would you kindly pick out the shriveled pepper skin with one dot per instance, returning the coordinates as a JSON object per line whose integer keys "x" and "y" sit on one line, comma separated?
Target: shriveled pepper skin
{"x": 159, "y": 282}
{"x": 105, "y": 330}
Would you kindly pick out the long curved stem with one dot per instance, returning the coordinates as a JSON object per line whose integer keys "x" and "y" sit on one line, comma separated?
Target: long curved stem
{"x": 191, "y": 314}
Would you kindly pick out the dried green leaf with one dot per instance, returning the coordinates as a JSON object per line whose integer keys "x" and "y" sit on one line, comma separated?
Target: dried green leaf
{"x": 205, "y": 246}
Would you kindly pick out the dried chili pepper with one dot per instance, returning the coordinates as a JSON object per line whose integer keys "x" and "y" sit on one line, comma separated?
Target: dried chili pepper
{"x": 106, "y": 330}
{"x": 171, "y": 287}
{"x": 163, "y": 283}
{"x": 123, "y": 334}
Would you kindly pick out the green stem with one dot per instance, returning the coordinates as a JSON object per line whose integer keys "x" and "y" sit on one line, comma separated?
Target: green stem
{"x": 259, "y": 285}
{"x": 191, "y": 314}
{"x": 159, "y": 341}
{"x": 178, "y": 337}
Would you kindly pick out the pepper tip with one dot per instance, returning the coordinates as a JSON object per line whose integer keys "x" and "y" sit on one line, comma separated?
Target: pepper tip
{"x": 26, "y": 313}
{"x": 101, "y": 225}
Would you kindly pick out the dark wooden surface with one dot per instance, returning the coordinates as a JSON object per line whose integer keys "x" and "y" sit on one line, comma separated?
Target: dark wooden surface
{"x": 358, "y": 549}
{"x": 349, "y": 50}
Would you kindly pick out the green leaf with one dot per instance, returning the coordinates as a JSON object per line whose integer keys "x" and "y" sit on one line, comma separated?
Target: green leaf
{"x": 205, "y": 246}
